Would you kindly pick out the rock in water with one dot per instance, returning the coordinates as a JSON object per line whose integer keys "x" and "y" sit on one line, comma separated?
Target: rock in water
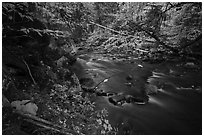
{"x": 111, "y": 100}
{"x": 129, "y": 99}
{"x": 116, "y": 100}
{"x": 151, "y": 89}
{"x": 101, "y": 93}
{"x": 136, "y": 100}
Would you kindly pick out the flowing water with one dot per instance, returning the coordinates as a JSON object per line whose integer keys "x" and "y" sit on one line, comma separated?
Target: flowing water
{"x": 175, "y": 109}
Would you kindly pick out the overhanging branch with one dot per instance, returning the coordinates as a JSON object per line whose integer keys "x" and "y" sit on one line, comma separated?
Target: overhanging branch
{"x": 108, "y": 28}
{"x": 139, "y": 28}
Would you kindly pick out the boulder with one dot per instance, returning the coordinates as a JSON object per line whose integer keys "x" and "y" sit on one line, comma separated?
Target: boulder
{"x": 25, "y": 106}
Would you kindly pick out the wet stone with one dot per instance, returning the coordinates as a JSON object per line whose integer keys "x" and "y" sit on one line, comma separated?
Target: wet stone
{"x": 102, "y": 94}
{"x": 116, "y": 99}
{"x": 151, "y": 89}
{"x": 111, "y": 94}
{"x": 121, "y": 99}
{"x": 137, "y": 100}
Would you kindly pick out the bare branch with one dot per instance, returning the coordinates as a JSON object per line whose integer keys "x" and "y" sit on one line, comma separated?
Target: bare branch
{"x": 29, "y": 72}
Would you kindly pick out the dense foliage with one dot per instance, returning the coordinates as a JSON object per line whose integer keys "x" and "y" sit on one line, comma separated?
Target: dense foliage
{"x": 154, "y": 27}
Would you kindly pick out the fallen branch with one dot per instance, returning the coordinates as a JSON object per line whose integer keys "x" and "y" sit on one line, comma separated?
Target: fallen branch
{"x": 108, "y": 28}
{"x": 118, "y": 32}
{"x": 104, "y": 80}
{"x": 139, "y": 28}
{"x": 29, "y": 72}
{"x": 45, "y": 124}
{"x": 151, "y": 34}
